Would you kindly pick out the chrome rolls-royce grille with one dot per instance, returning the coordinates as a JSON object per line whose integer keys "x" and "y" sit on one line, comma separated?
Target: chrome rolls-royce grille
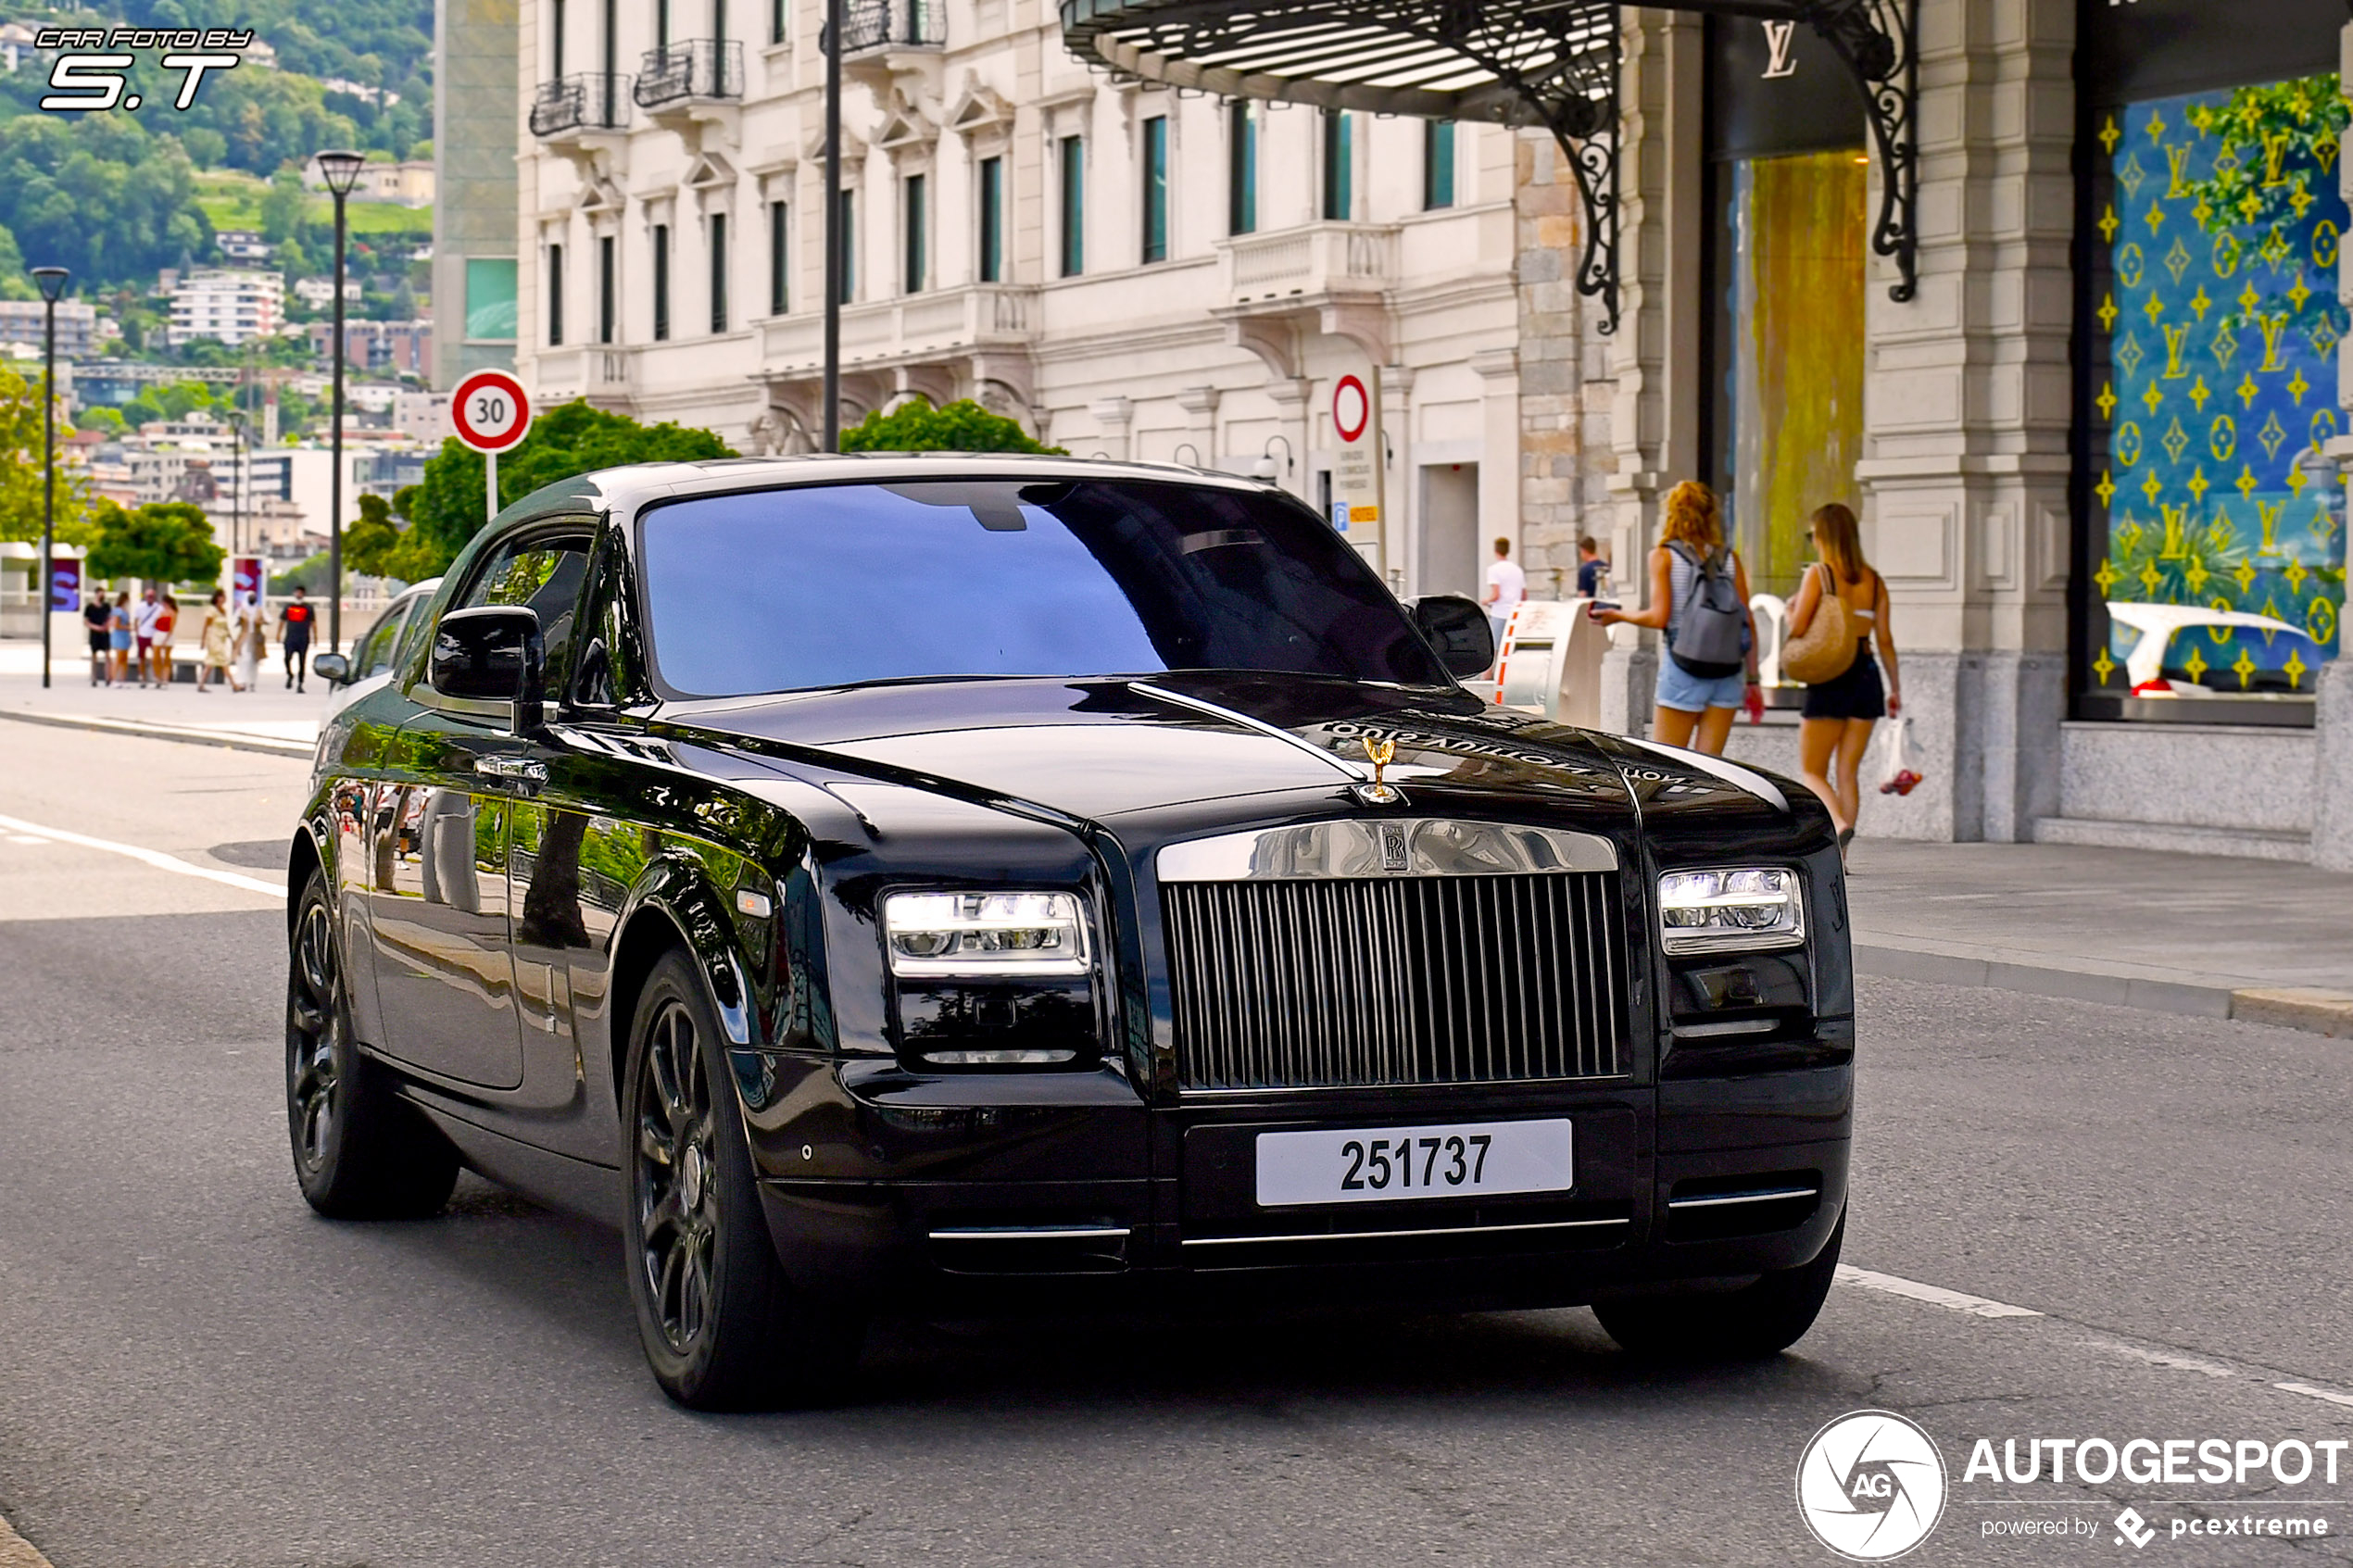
{"x": 1310, "y": 982}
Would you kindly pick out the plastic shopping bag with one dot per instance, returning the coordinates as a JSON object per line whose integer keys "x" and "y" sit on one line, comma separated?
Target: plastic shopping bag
{"x": 1899, "y": 757}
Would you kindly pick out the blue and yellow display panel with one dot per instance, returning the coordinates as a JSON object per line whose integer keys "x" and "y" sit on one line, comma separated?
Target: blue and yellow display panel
{"x": 2215, "y": 345}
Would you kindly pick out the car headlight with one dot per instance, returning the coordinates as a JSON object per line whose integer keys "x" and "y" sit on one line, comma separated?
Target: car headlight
{"x": 1744, "y": 910}
{"x": 967, "y": 936}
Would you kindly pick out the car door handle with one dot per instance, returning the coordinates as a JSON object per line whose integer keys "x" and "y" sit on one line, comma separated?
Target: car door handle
{"x": 513, "y": 769}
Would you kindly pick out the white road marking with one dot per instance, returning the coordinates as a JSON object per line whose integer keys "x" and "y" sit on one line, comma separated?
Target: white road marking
{"x": 2330, "y": 1395}
{"x": 28, "y": 839}
{"x": 155, "y": 857}
{"x": 2160, "y": 1358}
{"x": 1934, "y": 1295}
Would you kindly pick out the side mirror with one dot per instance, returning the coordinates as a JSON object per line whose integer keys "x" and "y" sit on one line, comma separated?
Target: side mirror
{"x": 331, "y": 668}
{"x": 1459, "y": 633}
{"x": 494, "y": 653}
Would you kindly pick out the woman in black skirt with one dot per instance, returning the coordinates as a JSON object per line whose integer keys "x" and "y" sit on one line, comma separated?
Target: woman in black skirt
{"x": 1839, "y": 713}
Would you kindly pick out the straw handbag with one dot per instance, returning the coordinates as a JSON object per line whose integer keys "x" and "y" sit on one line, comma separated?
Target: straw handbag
{"x": 1825, "y": 650}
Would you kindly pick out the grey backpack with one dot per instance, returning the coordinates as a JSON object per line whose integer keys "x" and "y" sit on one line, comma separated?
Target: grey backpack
{"x": 1708, "y": 636}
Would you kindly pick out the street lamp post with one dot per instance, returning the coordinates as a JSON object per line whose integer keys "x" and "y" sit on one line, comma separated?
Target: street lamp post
{"x": 53, "y": 283}
{"x": 341, "y": 171}
{"x": 237, "y": 496}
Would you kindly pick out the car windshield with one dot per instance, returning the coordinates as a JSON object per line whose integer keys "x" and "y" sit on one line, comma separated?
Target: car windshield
{"x": 831, "y": 585}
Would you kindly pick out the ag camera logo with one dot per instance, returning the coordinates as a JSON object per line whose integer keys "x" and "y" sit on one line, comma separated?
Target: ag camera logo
{"x": 1870, "y": 1485}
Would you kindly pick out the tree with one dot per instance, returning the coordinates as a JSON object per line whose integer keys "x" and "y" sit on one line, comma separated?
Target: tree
{"x": 962, "y": 426}
{"x": 446, "y": 509}
{"x": 162, "y": 542}
{"x": 368, "y": 543}
{"x": 21, "y": 475}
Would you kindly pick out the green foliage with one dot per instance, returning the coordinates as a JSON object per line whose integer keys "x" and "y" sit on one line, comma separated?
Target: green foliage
{"x": 2276, "y": 140}
{"x": 103, "y": 419}
{"x": 14, "y": 284}
{"x": 22, "y": 476}
{"x": 311, "y": 576}
{"x": 368, "y": 543}
{"x": 962, "y": 426}
{"x": 162, "y": 542}
{"x": 446, "y": 509}
{"x": 97, "y": 193}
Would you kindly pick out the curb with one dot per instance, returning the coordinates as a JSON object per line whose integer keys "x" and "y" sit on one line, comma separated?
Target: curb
{"x": 231, "y": 741}
{"x": 17, "y": 1552}
{"x": 2310, "y": 1010}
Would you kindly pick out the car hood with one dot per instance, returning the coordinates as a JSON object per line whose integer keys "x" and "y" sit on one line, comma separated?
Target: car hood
{"x": 1105, "y": 749}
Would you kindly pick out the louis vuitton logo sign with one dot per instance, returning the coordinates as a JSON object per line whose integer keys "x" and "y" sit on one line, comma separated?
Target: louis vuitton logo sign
{"x": 1778, "y": 38}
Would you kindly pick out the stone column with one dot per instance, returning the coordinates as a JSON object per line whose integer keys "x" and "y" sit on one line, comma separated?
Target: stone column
{"x": 1112, "y": 416}
{"x": 1967, "y": 398}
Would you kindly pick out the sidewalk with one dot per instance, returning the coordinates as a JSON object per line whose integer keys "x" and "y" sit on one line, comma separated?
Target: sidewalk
{"x": 2260, "y": 940}
{"x": 269, "y": 720}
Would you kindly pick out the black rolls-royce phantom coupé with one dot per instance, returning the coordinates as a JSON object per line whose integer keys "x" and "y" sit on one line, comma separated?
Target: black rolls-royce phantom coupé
{"x": 887, "y": 882}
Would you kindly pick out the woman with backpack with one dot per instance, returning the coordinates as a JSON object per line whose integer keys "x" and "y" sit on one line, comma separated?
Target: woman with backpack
{"x": 1843, "y": 605}
{"x": 1699, "y": 597}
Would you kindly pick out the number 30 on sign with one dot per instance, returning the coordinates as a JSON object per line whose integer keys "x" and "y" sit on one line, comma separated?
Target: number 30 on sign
{"x": 491, "y": 410}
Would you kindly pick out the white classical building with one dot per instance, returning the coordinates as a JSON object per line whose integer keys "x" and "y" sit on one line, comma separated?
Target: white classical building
{"x": 227, "y": 306}
{"x": 1128, "y": 272}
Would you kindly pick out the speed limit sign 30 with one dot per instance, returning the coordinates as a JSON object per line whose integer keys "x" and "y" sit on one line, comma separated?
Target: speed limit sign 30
{"x": 492, "y": 412}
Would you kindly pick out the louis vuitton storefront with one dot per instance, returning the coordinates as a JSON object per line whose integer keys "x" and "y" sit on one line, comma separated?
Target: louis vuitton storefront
{"x": 2048, "y": 289}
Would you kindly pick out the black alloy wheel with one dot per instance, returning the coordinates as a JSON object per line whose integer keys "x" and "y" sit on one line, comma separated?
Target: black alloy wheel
{"x": 677, "y": 1180}
{"x": 722, "y": 1326}
{"x": 359, "y": 1151}
{"x": 1762, "y": 1319}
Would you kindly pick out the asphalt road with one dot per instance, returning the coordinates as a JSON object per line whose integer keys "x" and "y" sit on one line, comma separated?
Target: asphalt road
{"x": 196, "y": 1370}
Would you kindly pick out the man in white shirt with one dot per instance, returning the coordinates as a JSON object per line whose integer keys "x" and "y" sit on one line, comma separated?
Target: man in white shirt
{"x": 1506, "y": 586}
{"x": 143, "y": 626}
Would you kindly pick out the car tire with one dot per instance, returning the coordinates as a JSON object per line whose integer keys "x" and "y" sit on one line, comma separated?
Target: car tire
{"x": 360, "y": 1151}
{"x": 1759, "y": 1320}
{"x": 723, "y": 1328}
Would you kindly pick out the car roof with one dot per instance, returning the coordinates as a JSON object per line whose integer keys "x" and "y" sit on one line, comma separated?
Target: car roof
{"x": 626, "y": 489}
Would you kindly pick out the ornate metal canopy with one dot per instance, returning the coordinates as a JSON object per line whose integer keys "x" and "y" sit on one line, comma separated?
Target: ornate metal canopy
{"x": 1552, "y": 63}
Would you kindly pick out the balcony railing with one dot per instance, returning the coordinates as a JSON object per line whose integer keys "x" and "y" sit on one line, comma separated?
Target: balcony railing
{"x": 893, "y": 24}
{"x": 1319, "y": 258}
{"x": 917, "y": 327}
{"x": 704, "y": 67}
{"x": 591, "y": 101}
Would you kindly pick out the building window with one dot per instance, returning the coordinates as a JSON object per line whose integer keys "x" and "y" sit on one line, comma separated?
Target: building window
{"x": 1241, "y": 171}
{"x": 554, "y": 296}
{"x": 661, "y": 24}
{"x": 718, "y": 273}
{"x": 608, "y": 294}
{"x": 1438, "y": 163}
{"x": 992, "y": 221}
{"x": 1340, "y": 167}
{"x": 555, "y": 38}
{"x": 914, "y": 223}
{"x": 779, "y": 21}
{"x": 719, "y": 22}
{"x": 1073, "y": 213}
{"x": 490, "y": 300}
{"x": 2213, "y": 325}
{"x": 845, "y": 228}
{"x": 779, "y": 260}
{"x": 661, "y": 281}
{"x": 1155, "y": 247}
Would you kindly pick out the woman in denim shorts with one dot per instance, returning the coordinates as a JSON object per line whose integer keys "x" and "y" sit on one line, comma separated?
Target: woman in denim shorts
{"x": 1693, "y": 710}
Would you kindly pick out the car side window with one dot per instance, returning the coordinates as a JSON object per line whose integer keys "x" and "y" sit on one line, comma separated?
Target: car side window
{"x": 374, "y": 656}
{"x": 541, "y": 572}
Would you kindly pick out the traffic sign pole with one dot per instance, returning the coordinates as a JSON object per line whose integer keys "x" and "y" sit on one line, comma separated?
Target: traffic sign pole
{"x": 491, "y": 412}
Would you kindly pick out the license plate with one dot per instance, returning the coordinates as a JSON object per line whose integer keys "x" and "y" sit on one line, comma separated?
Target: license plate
{"x": 1386, "y": 1164}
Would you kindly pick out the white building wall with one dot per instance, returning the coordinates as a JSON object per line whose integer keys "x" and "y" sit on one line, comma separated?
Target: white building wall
{"x": 1228, "y": 350}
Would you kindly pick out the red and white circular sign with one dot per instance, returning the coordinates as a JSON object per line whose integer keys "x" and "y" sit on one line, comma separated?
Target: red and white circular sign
{"x": 491, "y": 410}
{"x": 1351, "y": 409}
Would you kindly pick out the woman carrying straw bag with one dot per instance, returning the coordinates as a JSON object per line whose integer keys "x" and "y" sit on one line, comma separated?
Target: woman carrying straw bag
{"x": 1841, "y": 607}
